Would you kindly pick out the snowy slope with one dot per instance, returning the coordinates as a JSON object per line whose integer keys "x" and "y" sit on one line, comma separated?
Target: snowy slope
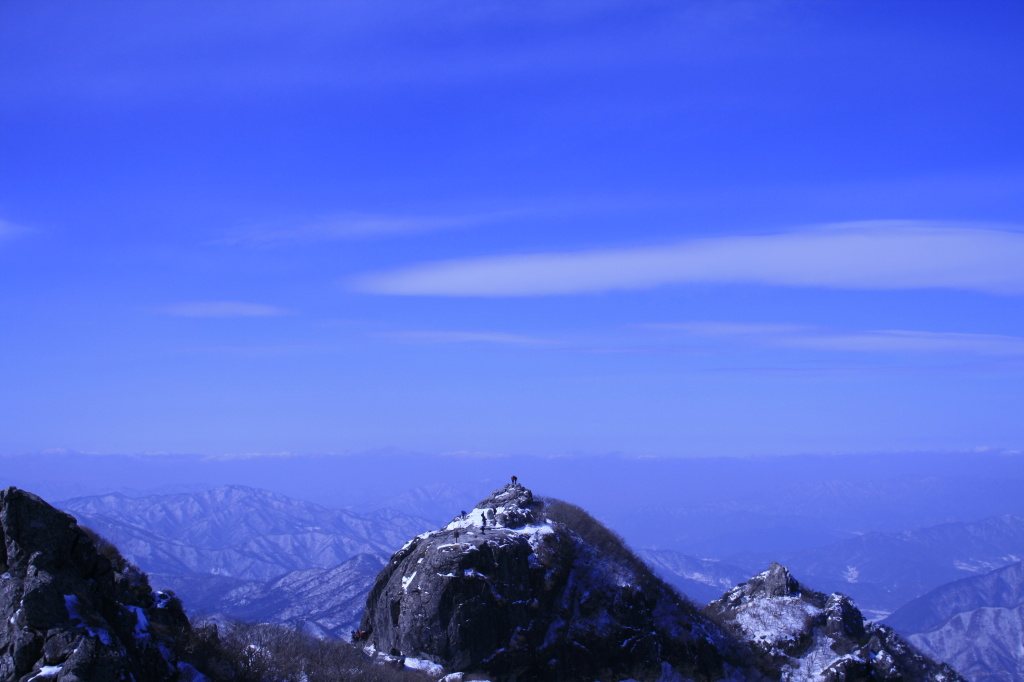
{"x": 238, "y": 532}
{"x": 975, "y": 624}
{"x": 804, "y": 636}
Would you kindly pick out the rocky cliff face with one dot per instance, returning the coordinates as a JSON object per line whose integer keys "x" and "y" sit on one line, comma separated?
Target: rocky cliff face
{"x": 511, "y": 591}
{"x": 71, "y": 609}
{"x": 799, "y": 634}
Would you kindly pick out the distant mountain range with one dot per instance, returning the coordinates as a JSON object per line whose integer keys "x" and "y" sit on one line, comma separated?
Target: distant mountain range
{"x": 883, "y": 571}
{"x": 708, "y": 507}
{"x": 976, "y": 624}
{"x": 325, "y": 602}
{"x": 237, "y": 551}
{"x": 702, "y": 580}
{"x": 239, "y": 532}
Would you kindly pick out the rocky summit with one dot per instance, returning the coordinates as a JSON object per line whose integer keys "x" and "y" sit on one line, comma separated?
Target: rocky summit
{"x": 525, "y": 589}
{"x": 521, "y": 588}
{"x": 72, "y": 609}
{"x": 798, "y": 634}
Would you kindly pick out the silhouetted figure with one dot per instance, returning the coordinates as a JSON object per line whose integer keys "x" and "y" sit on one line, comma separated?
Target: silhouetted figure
{"x": 514, "y": 479}
{"x": 456, "y": 536}
{"x": 483, "y": 520}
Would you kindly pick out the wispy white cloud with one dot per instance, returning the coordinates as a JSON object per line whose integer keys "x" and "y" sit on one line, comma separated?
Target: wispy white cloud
{"x": 315, "y": 46}
{"x": 825, "y": 339}
{"x": 9, "y": 229}
{"x": 464, "y": 337}
{"x": 351, "y": 226}
{"x": 701, "y": 335}
{"x": 223, "y": 309}
{"x": 904, "y": 341}
{"x": 863, "y": 255}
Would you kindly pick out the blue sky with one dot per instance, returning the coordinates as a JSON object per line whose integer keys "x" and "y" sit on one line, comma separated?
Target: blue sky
{"x": 654, "y": 228}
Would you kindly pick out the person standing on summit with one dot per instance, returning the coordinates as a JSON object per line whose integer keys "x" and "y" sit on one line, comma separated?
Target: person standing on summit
{"x": 514, "y": 479}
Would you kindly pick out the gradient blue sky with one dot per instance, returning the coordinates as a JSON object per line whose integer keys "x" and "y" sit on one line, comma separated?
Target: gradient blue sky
{"x": 655, "y": 228}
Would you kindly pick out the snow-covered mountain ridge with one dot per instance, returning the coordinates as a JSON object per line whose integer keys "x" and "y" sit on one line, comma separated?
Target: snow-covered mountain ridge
{"x": 884, "y": 571}
{"x": 239, "y": 532}
{"x": 239, "y": 551}
{"x": 805, "y": 635}
{"x": 976, "y": 624}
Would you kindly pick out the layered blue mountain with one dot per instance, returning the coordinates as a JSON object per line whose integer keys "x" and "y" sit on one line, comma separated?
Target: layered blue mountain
{"x": 884, "y": 571}
{"x": 243, "y": 552}
{"x": 975, "y": 624}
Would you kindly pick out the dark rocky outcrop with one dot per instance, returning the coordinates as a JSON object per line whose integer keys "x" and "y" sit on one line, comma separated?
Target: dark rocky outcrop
{"x": 72, "y": 609}
{"x": 798, "y": 634}
{"x": 525, "y": 589}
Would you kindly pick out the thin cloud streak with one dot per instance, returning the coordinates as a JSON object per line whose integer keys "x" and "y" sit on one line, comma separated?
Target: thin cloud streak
{"x": 878, "y": 255}
{"x": 903, "y": 341}
{"x": 217, "y": 309}
{"x": 873, "y": 341}
{"x": 738, "y": 334}
{"x": 9, "y": 230}
{"x": 116, "y": 67}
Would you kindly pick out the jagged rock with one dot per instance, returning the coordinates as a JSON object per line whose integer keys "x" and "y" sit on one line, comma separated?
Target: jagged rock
{"x": 525, "y": 589}
{"x": 775, "y": 582}
{"x": 800, "y": 634}
{"x": 71, "y": 609}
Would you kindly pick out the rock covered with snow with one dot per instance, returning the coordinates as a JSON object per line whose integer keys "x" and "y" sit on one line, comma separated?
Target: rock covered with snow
{"x": 521, "y": 588}
{"x": 72, "y": 609}
{"x": 798, "y": 634}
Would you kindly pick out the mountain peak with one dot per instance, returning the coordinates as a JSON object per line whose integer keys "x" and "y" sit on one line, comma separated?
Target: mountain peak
{"x": 527, "y": 588}
{"x": 793, "y": 629}
{"x": 775, "y": 582}
{"x": 512, "y": 506}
